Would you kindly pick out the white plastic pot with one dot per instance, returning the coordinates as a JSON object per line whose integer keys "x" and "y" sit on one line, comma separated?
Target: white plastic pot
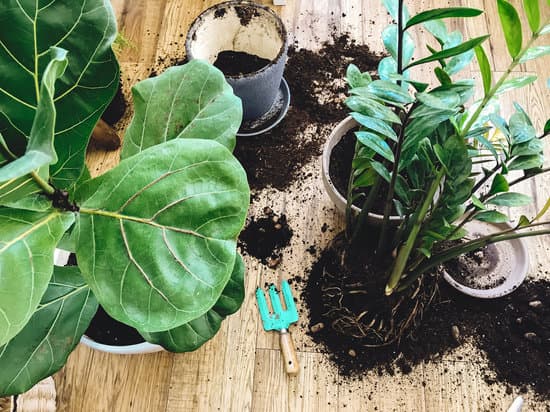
{"x": 513, "y": 263}
{"x": 61, "y": 257}
{"x": 338, "y": 199}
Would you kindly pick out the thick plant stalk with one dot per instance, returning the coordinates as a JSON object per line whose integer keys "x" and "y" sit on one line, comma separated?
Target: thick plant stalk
{"x": 406, "y": 249}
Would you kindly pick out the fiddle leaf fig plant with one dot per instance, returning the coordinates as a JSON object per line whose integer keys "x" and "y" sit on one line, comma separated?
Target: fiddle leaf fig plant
{"x": 155, "y": 237}
{"x": 437, "y": 159}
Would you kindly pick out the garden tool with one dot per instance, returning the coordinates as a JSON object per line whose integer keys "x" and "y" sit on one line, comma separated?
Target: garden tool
{"x": 280, "y": 320}
{"x": 517, "y": 405}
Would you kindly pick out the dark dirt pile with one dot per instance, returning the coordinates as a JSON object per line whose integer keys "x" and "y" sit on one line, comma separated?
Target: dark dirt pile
{"x": 318, "y": 90}
{"x": 513, "y": 332}
{"x": 233, "y": 63}
{"x": 265, "y": 237}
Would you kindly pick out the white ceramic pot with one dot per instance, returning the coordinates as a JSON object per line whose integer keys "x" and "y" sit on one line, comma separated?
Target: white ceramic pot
{"x": 512, "y": 265}
{"x": 338, "y": 199}
{"x": 61, "y": 257}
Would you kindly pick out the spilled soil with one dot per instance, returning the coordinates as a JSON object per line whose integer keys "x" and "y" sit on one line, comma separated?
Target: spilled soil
{"x": 265, "y": 237}
{"x": 318, "y": 91}
{"x": 512, "y": 331}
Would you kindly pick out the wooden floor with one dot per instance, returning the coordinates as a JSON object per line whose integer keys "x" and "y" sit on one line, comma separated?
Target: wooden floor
{"x": 241, "y": 370}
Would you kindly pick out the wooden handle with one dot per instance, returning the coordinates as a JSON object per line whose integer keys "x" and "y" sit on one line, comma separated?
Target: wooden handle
{"x": 105, "y": 136}
{"x": 289, "y": 353}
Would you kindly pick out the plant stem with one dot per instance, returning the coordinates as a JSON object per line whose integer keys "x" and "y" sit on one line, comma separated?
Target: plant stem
{"x": 45, "y": 186}
{"x": 525, "y": 177}
{"x": 406, "y": 249}
{"x": 349, "y": 197}
{"x": 458, "y": 250}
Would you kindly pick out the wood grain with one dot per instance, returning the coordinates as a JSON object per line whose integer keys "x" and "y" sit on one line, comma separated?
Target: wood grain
{"x": 241, "y": 368}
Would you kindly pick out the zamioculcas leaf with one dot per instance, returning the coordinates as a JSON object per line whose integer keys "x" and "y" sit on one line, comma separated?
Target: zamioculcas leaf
{"x": 453, "y": 51}
{"x": 40, "y": 148}
{"x": 526, "y": 162}
{"x": 393, "y": 9}
{"x": 510, "y": 199}
{"x": 523, "y": 221}
{"x": 485, "y": 68}
{"x": 53, "y": 331}
{"x": 535, "y": 53}
{"x": 543, "y": 211}
{"x": 515, "y": 83}
{"x": 533, "y": 13}
{"x": 478, "y": 203}
{"x": 355, "y": 78}
{"x": 174, "y": 225}
{"x": 389, "y": 92}
{"x": 492, "y": 216}
{"x": 375, "y": 143}
{"x": 444, "y": 13}
{"x": 86, "y": 29}
{"x": 194, "y": 334}
{"x": 372, "y": 108}
{"x": 499, "y": 185}
{"x": 375, "y": 125}
{"x": 196, "y": 103}
{"x": 547, "y": 127}
{"x": 511, "y": 25}
{"x": 27, "y": 242}
{"x": 389, "y": 38}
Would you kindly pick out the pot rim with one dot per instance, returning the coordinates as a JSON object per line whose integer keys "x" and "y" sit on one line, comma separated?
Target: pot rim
{"x": 135, "y": 349}
{"x": 515, "y": 277}
{"x": 335, "y": 136}
{"x": 281, "y": 27}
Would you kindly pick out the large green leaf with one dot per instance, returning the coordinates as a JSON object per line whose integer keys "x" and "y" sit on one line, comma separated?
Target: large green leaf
{"x": 158, "y": 248}
{"x": 191, "y": 101}
{"x": 532, "y": 11}
{"x": 453, "y": 51}
{"x": 194, "y": 334}
{"x": 510, "y": 199}
{"x": 375, "y": 143}
{"x": 27, "y": 242}
{"x": 443, "y": 13}
{"x": 53, "y": 331}
{"x": 40, "y": 149}
{"x": 485, "y": 69}
{"x": 84, "y": 28}
{"x": 511, "y": 25}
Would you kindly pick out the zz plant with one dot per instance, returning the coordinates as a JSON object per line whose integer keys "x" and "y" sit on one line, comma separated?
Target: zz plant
{"x": 436, "y": 159}
{"x": 155, "y": 237}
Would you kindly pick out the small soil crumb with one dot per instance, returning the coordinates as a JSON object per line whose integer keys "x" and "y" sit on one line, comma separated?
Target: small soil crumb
{"x": 246, "y": 13}
{"x": 318, "y": 91}
{"x": 476, "y": 269}
{"x": 218, "y": 14}
{"x": 236, "y": 63}
{"x": 265, "y": 237}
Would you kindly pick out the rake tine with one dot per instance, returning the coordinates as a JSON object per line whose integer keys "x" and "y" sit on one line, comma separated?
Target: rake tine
{"x": 289, "y": 300}
{"x": 275, "y": 300}
{"x": 262, "y": 305}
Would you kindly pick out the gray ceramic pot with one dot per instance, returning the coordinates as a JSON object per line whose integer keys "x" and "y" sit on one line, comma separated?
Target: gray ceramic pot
{"x": 243, "y": 26}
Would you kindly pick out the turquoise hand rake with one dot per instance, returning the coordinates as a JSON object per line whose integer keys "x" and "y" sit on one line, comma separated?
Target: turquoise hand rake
{"x": 280, "y": 320}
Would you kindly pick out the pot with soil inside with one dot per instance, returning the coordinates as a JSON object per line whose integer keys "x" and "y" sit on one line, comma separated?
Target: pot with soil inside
{"x": 248, "y": 43}
{"x": 105, "y": 333}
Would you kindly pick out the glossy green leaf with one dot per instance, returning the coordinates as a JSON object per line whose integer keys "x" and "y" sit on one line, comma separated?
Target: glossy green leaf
{"x": 492, "y": 216}
{"x": 389, "y": 38}
{"x": 516, "y": 83}
{"x": 174, "y": 225}
{"x": 477, "y": 203}
{"x": 529, "y": 148}
{"x": 194, "y": 334}
{"x": 375, "y": 125}
{"x": 381, "y": 170}
{"x": 510, "y": 199}
{"x": 27, "y": 242}
{"x": 453, "y": 51}
{"x": 15, "y": 190}
{"x": 485, "y": 68}
{"x": 499, "y": 185}
{"x": 535, "y": 53}
{"x": 355, "y": 78}
{"x": 40, "y": 149}
{"x": 86, "y": 29}
{"x": 42, "y": 347}
{"x": 526, "y": 162}
{"x": 387, "y": 68}
{"x": 392, "y": 7}
{"x": 440, "y": 101}
{"x": 523, "y": 221}
{"x": 372, "y": 108}
{"x": 521, "y": 128}
{"x": 438, "y": 29}
{"x": 547, "y": 127}
{"x": 542, "y": 211}
{"x": 389, "y": 92}
{"x": 443, "y": 13}
{"x": 376, "y": 144}
{"x": 442, "y": 76}
{"x": 195, "y": 101}
{"x": 511, "y": 25}
{"x": 532, "y": 11}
